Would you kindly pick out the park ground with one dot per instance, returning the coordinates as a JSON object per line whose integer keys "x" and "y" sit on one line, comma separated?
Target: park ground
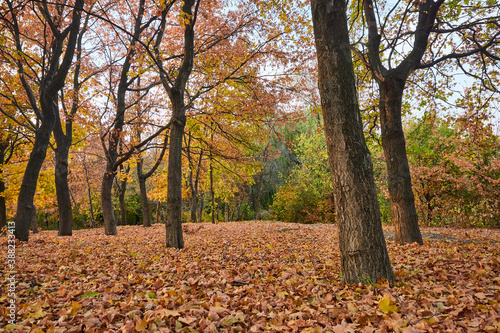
{"x": 250, "y": 277}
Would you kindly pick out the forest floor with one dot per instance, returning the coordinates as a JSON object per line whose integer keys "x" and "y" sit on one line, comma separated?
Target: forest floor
{"x": 250, "y": 277}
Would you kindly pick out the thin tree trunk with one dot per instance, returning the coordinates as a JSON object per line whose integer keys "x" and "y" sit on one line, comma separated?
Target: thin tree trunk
{"x": 259, "y": 197}
{"x": 89, "y": 193}
{"x": 212, "y": 191}
{"x": 122, "y": 189}
{"x": 76, "y": 208}
{"x": 364, "y": 256}
{"x": 226, "y": 212}
{"x": 146, "y": 214}
{"x": 404, "y": 213}
{"x": 194, "y": 208}
{"x": 3, "y": 207}
{"x": 201, "y": 207}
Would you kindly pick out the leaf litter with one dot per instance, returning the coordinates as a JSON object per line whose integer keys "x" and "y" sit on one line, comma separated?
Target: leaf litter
{"x": 250, "y": 277}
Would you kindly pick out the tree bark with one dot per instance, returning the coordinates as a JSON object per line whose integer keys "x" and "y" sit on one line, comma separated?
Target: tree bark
{"x": 194, "y": 208}
{"x": 364, "y": 256}
{"x": 61, "y": 182}
{"x": 212, "y": 191}
{"x": 34, "y": 222}
{"x": 89, "y": 192}
{"x": 146, "y": 214}
{"x": 3, "y": 207}
{"x": 25, "y": 205}
{"x": 391, "y": 84}
{"x": 173, "y": 224}
{"x": 122, "y": 189}
{"x": 404, "y": 213}
{"x": 50, "y": 84}
{"x": 108, "y": 213}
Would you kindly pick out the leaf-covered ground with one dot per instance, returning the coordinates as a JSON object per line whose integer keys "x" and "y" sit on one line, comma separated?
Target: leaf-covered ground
{"x": 251, "y": 277}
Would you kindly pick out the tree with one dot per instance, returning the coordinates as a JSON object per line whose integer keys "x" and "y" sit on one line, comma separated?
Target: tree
{"x": 437, "y": 32}
{"x": 59, "y": 42}
{"x": 64, "y": 140}
{"x": 364, "y": 256}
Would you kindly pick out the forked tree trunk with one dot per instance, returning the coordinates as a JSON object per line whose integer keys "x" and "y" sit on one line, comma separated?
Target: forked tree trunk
{"x": 404, "y": 213}
{"x": 364, "y": 256}
{"x": 50, "y": 85}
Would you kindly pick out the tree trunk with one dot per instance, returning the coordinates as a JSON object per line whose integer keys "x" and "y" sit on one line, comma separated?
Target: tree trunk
{"x": 259, "y": 197}
{"x": 28, "y": 186}
{"x": 122, "y": 189}
{"x": 226, "y": 212}
{"x": 212, "y": 191}
{"x": 173, "y": 224}
{"x": 108, "y": 213}
{"x": 146, "y": 215}
{"x": 404, "y": 213}
{"x": 34, "y": 222}
{"x": 3, "y": 207}
{"x": 194, "y": 208}
{"x": 61, "y": 182}
{"x": 364, "y": 256}
{"x": 201, "y": 206}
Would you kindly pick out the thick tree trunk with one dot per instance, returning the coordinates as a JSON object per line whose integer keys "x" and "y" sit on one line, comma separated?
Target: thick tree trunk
{"x": 108, "y": 213}
{"x": 364, "y": 256}
{"x": 173, "y": 224}
{"x": 146, "y": 215}
{"x": 404, "y": 213}
{"x": 61, "y": 182}
{"x": 28, "y": 186}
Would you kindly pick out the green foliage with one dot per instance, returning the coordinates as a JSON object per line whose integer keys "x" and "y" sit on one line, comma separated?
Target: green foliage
{"x": 306, "y": 196}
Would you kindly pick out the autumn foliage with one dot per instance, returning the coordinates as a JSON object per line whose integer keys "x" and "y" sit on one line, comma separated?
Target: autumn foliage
{"x": 252, "y": 277}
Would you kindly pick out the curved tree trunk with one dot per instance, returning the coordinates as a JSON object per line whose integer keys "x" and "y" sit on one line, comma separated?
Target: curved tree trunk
{"x": 404, "y": 213}
{"x": 173, "y": 223}
{"x": 364, "y": 256}
{"x": 25, "y": 205}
